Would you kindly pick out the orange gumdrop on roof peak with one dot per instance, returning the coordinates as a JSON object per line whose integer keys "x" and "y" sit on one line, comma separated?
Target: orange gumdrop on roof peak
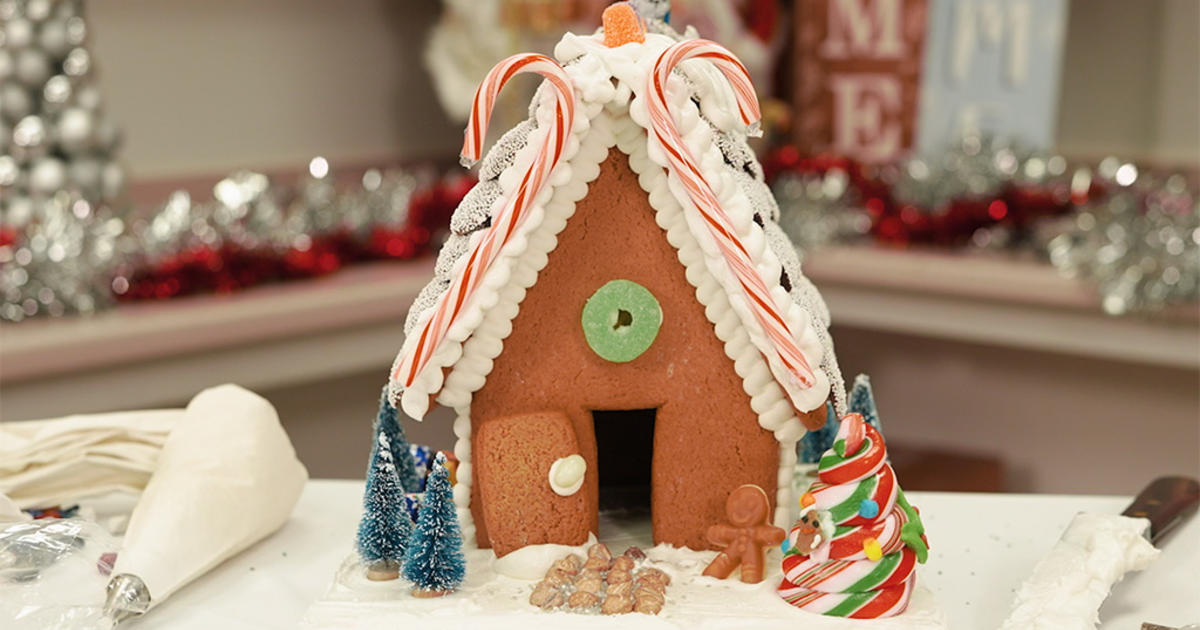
{"x": 622, "y": 25}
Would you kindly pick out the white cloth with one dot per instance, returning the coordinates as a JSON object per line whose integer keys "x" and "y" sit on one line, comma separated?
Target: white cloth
{"x": 226, "y": 478}
{"x": 61, "y": 461}
{"x": 1069, "y": 584}
{"x": 9, "y": 512}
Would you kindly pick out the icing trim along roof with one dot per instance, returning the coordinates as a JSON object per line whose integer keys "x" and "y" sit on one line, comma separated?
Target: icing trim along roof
{"x": 611, "y": 109}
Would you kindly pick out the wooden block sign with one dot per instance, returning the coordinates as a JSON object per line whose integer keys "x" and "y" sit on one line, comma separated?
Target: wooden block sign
{"x": 858, "y": 69}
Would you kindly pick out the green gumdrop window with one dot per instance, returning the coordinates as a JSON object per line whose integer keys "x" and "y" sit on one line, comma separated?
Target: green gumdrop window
{"x": 621, "y": 320}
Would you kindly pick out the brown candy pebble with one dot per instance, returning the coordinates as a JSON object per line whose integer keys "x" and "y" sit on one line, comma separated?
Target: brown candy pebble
{"x": 647, "y": 606}
{"x": 546, "y": 595}
{"x": 653, "y": 575}
{"x": 597, "y": 564}
{"x": 623, "y": 563}
{"x": 570, "y": 564}
{"x": 589, "y": 575}
{"x": 653, "y": 585}
{"x": 619, "y": 588}
{"x": 617, "y": 605}
{"x": 615, "y": 576}
{"x": 635, "y": 553}
{"x": 583, "y": 599}
{"x": 557, "y": 578}
{"x": 590, "y": 585}
{"x": 599, "y": 550}
{"x": 643, "y": 592}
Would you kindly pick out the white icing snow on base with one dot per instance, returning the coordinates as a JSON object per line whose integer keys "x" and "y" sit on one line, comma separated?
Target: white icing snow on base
{"x": 532, "y": 561}
{"x": 497, "y": 602}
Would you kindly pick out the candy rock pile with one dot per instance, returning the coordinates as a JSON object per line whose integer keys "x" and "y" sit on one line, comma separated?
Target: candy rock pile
{"x": 601, "y": 583}
{"x": 862, "y": 565}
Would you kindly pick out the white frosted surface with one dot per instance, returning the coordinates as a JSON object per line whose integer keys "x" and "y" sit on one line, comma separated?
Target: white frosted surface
{"x": 492, "y": 601}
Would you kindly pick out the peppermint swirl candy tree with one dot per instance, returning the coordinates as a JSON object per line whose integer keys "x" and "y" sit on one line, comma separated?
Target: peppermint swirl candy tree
{"x": 862, "y": 563}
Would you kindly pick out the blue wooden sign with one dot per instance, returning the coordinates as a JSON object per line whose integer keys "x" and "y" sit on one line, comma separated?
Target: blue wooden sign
{"x": 991, "y": 66}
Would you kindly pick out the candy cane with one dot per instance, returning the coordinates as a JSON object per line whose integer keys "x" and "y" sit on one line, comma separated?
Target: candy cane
{"x": 685, "y": 166}
{"x": 415, "y": 356}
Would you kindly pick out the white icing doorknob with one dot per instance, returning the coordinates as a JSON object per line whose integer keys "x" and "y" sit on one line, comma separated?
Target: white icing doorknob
{"x": 566, "y": 474}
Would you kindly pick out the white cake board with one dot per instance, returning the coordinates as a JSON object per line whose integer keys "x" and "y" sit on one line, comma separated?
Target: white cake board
{"x": 496, "y": 602}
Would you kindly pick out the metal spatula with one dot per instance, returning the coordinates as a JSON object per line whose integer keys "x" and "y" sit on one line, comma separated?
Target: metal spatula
{"x": 1067, "y": 587}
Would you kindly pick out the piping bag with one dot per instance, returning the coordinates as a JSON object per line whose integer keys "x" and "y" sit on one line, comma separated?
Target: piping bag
{"x": 226, "y": 478}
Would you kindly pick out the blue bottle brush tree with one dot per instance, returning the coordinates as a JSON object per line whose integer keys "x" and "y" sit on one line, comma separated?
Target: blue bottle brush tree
{"x": 434, "y": 562}
{"x": 388, "y": 422}
{"x": 384, "y": 530}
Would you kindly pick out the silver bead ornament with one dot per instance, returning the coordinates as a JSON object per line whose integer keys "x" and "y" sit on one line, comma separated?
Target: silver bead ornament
{"x": 85, "y": 173}
{"x": 76, "y": 130}
{"x": 78, "y": 63}
{"x": 8, "y": 10}
{"x": 32, "y": 67}
{"x": 10, "y": 172}
{"x": 38, "y": 10}
{"x": 87, "y": 96}
{"x": 7, "y": 64}
{"x": 57, "y": 91}
{"x": 52, "y": 37}
{"x": 18, "y": 33}
{"x": 76, "y": 31}
{"x": 19, "y": 211}
{"x": 47, "y": 176}
{"x": 15, "y": 101}
{"x": 30, "y": 138}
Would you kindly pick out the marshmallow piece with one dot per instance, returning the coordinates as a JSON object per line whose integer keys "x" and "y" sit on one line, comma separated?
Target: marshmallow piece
{"x": 566, "y": 474}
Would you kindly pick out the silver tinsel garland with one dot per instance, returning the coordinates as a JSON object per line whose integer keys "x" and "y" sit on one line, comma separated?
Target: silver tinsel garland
{"x": 1132, "y": 235}
{"x": 79, "y": 258}
{"x": 1139, "y": 246}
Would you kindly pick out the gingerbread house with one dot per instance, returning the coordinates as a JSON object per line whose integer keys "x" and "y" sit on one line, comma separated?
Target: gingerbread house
{"x": 616, "y": 306}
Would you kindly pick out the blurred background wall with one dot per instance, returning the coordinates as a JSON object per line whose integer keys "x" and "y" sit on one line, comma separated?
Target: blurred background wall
{"x": 282, "y": 80}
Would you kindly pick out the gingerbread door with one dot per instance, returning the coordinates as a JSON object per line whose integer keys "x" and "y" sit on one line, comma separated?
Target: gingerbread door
{"x": 513, "y": 458}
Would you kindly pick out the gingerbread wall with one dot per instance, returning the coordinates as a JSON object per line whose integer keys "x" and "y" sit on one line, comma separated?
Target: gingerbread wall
{"x": 707, "y": 439}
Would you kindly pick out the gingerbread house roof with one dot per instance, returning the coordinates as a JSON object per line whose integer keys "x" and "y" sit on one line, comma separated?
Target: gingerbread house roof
{"x": 609, "y": 85}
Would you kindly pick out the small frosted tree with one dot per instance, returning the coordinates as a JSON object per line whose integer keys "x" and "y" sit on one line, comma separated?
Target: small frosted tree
{"x": 388, "y": 422}
{"x": 862, "y": 401}
{"x": 816, "y": 442}
{"x": 434, "y": 562}
{"x": 385, "y": 527}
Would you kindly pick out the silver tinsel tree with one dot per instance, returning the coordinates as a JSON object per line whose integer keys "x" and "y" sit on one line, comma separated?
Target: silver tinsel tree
{"x": 58, "y": 174}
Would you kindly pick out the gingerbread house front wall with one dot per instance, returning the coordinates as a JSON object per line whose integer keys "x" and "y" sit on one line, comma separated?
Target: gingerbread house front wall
{"x": 536, "y": 405}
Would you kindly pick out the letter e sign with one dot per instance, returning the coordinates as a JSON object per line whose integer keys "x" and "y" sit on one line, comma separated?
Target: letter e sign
{"x": 858, "y": 70}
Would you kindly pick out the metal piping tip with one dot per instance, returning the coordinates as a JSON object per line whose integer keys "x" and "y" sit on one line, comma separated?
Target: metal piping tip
{"x": 127, "y": 597}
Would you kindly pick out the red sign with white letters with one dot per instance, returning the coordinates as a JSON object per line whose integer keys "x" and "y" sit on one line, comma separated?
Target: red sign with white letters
{"x": 858, "y": 76}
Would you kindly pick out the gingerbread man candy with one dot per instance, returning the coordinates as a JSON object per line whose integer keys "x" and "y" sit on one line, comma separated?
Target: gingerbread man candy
{"x": 746, "y": 536}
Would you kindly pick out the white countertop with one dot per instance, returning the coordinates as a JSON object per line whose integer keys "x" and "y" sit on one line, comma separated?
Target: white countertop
{"x": 982, "y": 547}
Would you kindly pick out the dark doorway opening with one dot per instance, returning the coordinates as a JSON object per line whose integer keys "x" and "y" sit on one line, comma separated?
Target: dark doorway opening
{"x": 624, "y": 452}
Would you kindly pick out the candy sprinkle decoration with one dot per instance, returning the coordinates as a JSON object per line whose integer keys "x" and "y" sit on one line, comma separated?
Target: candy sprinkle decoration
{"x": 786, "y": 360}
{"x": 867, "y": 569}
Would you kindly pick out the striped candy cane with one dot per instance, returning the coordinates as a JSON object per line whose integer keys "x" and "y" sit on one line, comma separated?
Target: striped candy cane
{"x": 415, "y": 356}
{"x": 684, "y": 165}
